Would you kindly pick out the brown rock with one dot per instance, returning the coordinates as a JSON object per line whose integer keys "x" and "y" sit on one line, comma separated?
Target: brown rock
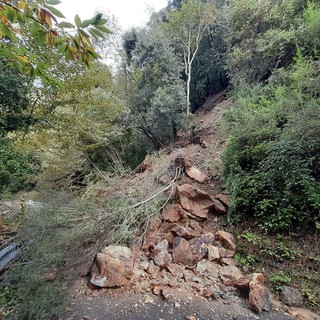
{"x": 144, "y": 265}
{"x": 258, "y": 296}
{"x": 156, "y": 290}
{"x": 154, "y": 224}
{"x": 213, "y": 253}
{"x": 198, "y": 248}
{"x": 219, "y": 207}
{"x": 169, "y": 293}
{"x": 153, "y": 270}
{"x": 188, "y": 253}
{"x": 150, "y": 242}
{"x": 242, "y": 284}
{"x": 195, "y": 225}
{"x": 195, "y": 201}
{"x": 207, "y": 238}
{"x": 223, "y": 198}
{"x": 183, "y": 232}
{"x": 230, "y": 274}
{"x": 113, "y": 266}
{"x": 208, "y": 268}
{"x": 225, "y": 253}
{"x": 176, "y": 270}
{"x": 228, "y": 262}
{"x": 172, "y": 212}
{"x": 188, "y": 275}
{"x": 194, "y": 173}
{"x": 207, "y": 292}
{"x": 227, "y": 239}
{"x": 160, "y": 254}
{"x": 291, "y": 296}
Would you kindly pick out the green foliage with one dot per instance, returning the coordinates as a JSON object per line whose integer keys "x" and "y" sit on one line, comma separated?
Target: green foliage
{"x": 271, "y": 160}
{"x": 14, "y": 100}
{"x": 156, "y": 95}
{"x": 261, "y": 37}
{"x": 280, "y": 279}
{"x": 16, "y": 168}
{"x": 24, "y": 20}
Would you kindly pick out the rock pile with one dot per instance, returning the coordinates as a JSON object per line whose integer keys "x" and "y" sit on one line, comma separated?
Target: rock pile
{"x": 184, "y": 253}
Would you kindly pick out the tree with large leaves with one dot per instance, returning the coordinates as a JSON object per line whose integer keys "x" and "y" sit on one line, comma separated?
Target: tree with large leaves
{"x": 40, "y": 20}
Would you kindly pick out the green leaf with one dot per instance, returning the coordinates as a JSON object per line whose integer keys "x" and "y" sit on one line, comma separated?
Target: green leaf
{"x": 96, "y": 33}
{"x": 86, "y": 23}
{"x": 34, "y": 29}
{"x": 65, "y": 24}
{"x": 63, "y": 48}
{"x": 100, "y": 22}
{"x": 41, "y": 37}
{"x": 103, "y": 29}
{"x": 84, "y": 33}
{"x": 53, "y": 2}
{"x": 55, "y": 11}
{"x": 77, "y": 21}
{"x": 11, "y": 14}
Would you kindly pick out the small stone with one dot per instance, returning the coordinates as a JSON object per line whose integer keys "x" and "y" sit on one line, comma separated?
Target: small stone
{"x": 195, "y": 225}
{"x": 160, "y": 254}
{"x": 150, "y": 242}
{"x": 156, "y": 290}
{"x": 153, "y": 270}
{"x": 213, "y": 253}
{"x": 148, "y": 299}
{"x": 173, "y": 212}
{"x": 144, "y": 265}
{"x": 176, "y": 270}
{"x": 291, "y": 296}
{"x": 186, "y": 233}
{"x": 227, "y": 239}
{"x": 177, "y": 305}
{"x": 230, "y": 274}
{"x": 224, "y": 198}
{"x": 228, "y": 262}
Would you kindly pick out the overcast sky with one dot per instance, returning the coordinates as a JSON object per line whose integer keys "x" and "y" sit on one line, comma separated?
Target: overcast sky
{"x": 128, "y": 12}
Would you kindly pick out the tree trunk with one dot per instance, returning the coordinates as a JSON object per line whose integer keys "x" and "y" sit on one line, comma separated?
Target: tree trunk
{"x": 157, "y": 144}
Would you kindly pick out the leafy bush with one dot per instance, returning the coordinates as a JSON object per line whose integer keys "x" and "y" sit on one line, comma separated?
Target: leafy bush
{"x": 15, "y": 168}
{"x": 272, "y": 159}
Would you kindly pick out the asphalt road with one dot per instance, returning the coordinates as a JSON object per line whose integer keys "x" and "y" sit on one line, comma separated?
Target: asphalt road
{"x": 143, "y": 307}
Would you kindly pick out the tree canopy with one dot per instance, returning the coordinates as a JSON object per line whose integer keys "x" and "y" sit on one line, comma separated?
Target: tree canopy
{"x": 40, "y": 21}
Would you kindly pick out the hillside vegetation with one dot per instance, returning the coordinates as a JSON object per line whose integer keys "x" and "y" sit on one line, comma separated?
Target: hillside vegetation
{"x": 71, "y": 136}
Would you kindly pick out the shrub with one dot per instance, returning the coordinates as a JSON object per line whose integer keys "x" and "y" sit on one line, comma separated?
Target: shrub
{"x": 15, "y": 168}
{"x": 272, "y": 159}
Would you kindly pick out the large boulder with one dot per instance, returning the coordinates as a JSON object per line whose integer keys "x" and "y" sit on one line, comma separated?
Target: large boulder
{"x": 112, "y": 267}
{"x": 259, "y": 295}
{"x": 291, "y": 296}
{"x": 196, "y": 201}
{"x": 188, "y": 253}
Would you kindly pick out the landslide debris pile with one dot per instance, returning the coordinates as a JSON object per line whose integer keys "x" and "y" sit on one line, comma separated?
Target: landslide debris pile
{"x": 183, "y": 253}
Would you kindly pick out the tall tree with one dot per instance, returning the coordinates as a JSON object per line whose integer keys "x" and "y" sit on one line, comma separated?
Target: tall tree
{"x": 157, "y": 93}
{"x": 186, "y": 27}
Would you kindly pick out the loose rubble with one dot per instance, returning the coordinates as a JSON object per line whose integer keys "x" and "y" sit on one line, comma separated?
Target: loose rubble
{"x": 181, "y": 255}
